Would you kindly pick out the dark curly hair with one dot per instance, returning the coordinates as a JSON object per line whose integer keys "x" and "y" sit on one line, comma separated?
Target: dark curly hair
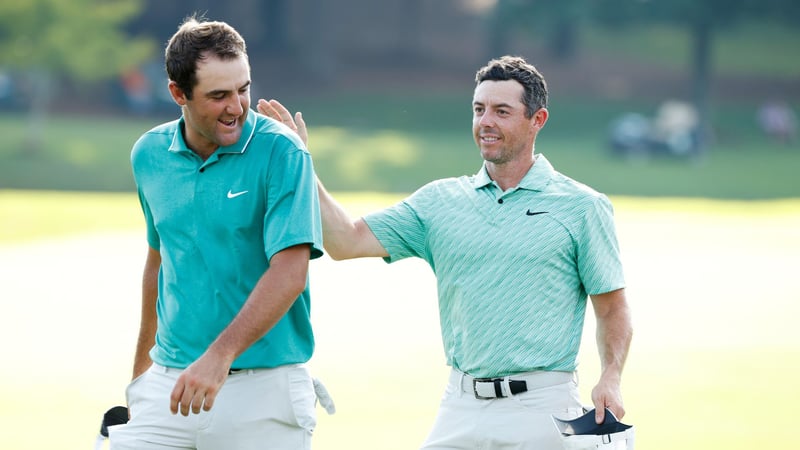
{"x": 195, "y": 40}
{"x": 517, "y": 69}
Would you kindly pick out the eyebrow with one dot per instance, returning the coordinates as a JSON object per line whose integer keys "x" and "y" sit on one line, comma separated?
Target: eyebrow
{"x": 498, "y": 105}
{"x": 216, "y": 92}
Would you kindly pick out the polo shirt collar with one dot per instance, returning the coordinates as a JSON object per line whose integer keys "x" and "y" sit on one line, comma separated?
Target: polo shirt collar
{"x": 537, "y": 178}
{"x": 179, "y": 142}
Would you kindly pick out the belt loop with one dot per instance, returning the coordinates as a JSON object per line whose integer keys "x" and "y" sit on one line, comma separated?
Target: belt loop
{"x": 505, "y": 387}
{"x": 461, "y": 376}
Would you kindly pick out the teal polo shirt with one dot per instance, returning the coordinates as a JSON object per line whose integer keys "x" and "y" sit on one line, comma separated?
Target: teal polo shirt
{"x": 513, "y": 268}
{"x": 216, "y": 224}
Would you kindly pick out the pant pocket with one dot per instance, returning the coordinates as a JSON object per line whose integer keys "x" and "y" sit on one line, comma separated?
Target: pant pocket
{"x": 132, "y": 389}
{"x": 558, "y": 399}
{"x": 303, "y": 398}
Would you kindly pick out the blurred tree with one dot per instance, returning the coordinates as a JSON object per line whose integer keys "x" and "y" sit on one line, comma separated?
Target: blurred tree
{"x": 275, "y": 31}
{"x": 702, "y": 19}
{"x": 560, "y": 22}
{"x": 556, "y": 23}
{"x": 79, "y": 39}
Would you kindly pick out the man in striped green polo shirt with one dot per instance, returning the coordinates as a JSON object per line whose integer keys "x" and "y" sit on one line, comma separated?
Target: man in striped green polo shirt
{"x": 517, "y": 250}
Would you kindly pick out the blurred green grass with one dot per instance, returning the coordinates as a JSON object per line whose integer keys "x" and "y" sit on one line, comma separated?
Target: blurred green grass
{"x": 355, "y": 149}
{"x": 744, "y": 49}
{"x": 395, "y": 139}
{"x": 711, "y": 289}
{"x": 28, "y": 215}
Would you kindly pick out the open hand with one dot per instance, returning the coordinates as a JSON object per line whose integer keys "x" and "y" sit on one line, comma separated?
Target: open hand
{"x": 275, "y": 110}
{"x": 197, "y": 387}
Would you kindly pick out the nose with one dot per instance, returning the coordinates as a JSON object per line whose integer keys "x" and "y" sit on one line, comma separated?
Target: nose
{"x": 486, "y": 119}
{"x": 236, "y": 106}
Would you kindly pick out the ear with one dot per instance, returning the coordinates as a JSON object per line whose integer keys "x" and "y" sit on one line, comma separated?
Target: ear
{"x": 540, "y": 117}
{"x": 177, "y": 93}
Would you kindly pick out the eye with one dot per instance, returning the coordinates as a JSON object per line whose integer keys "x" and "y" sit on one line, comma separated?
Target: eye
{"x": 477, "y": 109}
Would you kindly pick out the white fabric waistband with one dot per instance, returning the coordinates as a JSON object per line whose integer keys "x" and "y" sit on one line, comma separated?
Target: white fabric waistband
{"x": 163, "y": 369}
{"x": 489, "y": 388}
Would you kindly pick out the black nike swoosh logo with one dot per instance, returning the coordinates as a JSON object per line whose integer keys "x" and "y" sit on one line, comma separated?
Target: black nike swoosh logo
{"x": 534, "y": 213}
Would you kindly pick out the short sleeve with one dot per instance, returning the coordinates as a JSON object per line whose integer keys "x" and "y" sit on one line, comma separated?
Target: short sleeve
{"x": 598, "y": 256}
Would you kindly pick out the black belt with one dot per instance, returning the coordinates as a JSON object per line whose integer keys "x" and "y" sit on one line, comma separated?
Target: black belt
{"x": 233, "y": 371}
{"x": 485, "y": 387}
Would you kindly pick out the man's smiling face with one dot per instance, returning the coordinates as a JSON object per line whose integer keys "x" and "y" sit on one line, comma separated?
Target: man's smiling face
{"x": 499, "y": 125}
{"x": 220, "y": 102}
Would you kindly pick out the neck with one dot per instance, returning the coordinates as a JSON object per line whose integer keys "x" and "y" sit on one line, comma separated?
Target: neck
{"x": 508, "y": 175}
{"x": 192, "y": 142}
{"x": 204, "y": 155}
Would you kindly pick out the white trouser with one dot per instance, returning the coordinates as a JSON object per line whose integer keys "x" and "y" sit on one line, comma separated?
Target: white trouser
{"x": 264, "y": 409}
{"x": 520, "y": 422}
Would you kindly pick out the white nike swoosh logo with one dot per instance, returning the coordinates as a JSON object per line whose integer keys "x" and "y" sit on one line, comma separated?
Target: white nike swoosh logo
{"x": 236, "y": 194}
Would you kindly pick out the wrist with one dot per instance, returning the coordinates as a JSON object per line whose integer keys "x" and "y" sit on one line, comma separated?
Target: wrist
{"x": 220, "y": 353}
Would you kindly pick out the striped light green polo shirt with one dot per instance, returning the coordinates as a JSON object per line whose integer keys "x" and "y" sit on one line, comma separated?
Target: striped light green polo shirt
{"x": 513, "y": 268}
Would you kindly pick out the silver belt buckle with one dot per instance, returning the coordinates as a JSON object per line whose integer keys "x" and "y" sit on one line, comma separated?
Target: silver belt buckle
{"x": 491, "y": 381}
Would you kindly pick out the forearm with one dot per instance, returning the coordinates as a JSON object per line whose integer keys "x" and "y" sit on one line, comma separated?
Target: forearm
{"x": 148, "y": 322}
{"x": 337, "y": 225}
{"x": 142, "y": 359}
{"x": 614, "y": 334}
{"x": 343, "y": 237}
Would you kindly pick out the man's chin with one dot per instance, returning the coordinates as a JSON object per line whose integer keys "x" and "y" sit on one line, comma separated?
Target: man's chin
{"x": 488, "y": 155}
{"x": 228, "y": 139}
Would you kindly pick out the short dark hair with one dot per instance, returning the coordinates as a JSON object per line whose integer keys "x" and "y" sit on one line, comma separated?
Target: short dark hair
{"x": 195, "y": 40}
{"x": 517, "y": 69}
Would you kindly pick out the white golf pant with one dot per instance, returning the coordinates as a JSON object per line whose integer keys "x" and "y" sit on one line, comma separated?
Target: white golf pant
{"x": 264, "y": 409}
{"x": 515, "y": 422}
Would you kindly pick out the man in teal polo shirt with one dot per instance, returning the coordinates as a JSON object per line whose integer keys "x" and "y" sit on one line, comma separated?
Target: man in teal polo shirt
{"x": 232, "y": 213}
{"x": 516, "y": 248}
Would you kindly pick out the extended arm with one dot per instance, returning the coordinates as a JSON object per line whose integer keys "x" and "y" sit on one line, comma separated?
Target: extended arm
{"x": 148, "y": 323}
{"x": 343, "y": 237}
{"x": 614, "y": 333}
{"x": 273, "y": 295}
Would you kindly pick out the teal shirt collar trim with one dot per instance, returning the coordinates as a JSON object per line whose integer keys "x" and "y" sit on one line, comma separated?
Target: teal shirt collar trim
{"x": 537, "y": 178}
{"x": 179, "y": 143}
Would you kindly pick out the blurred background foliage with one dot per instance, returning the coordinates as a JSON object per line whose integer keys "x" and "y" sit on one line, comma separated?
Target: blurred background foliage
{"x": 386, "y": 86}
